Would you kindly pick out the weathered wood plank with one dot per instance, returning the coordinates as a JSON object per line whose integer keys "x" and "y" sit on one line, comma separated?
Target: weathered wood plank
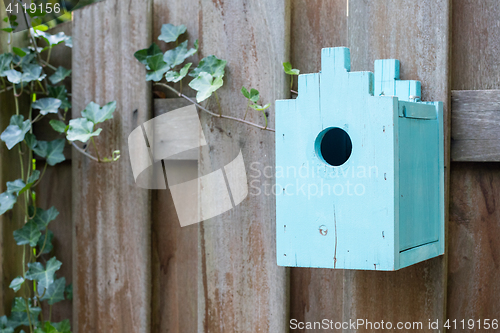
{"x": 11, "y": 253}
{"x": 416, "y": 33}
{"x": 241, "y": 287}
{"x": 475, "y": 120}
{"x": 174, "y": 254}
{"x": 475, "y": 187}
{"x": 111, "y": 216}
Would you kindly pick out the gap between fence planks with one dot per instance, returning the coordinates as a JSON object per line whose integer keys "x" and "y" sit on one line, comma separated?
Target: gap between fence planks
{"x": 111, "y": 216}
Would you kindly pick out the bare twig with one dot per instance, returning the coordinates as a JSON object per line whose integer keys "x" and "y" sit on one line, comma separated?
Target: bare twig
{"x": 212, "y": 113}
{"x": 294, "y": 92}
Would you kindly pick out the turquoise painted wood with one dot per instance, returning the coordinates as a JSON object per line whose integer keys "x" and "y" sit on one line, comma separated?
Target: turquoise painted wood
{"x": 359, "y": 170}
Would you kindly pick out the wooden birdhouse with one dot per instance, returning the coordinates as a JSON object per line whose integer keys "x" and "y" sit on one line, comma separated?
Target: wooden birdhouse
{"x": 359, "y": 170}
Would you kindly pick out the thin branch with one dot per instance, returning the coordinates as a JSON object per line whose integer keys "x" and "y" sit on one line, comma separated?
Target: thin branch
{"x": 84, "y": 152}
{"x": 294, "y": 92}
{"x": 212, "y": 113}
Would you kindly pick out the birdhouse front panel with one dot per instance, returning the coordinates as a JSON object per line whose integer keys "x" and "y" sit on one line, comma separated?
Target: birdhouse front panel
{"x": 359, "y": 173}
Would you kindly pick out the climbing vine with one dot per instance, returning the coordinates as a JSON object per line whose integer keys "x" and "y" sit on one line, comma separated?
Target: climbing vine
{"x": 207, "y": 77}
{"x": 26, "y": 73}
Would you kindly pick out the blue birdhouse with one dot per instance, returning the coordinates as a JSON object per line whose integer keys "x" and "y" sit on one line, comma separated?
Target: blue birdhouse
{"x": 359, "y": 170}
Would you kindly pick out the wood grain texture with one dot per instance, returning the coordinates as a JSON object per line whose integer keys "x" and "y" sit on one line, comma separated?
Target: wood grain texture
{"x": 174, "y": 255}
{"x": 111, "y": 216}
{"x": 418, "y": 35}
{"x": 475, "y": 187}
{"x": 316, "y": 293}
{"x": 475, "y": 120}
{"x": 241, "y": 287}
{"x": 10, "y": 252}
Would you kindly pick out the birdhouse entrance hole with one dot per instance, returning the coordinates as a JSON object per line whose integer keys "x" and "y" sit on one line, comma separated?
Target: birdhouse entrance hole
{"x": 334, "y": 146}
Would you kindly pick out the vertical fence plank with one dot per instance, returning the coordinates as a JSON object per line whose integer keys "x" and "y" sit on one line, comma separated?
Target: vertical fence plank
{"x": 174, "y": 249}
{"x": 111, "y": 215}
{"x": 316, "y": 294}
{"x": 11, "y": 253}
{"x": 241, "y": 287}
{"x": 416, "y": 33}
{"x": 474, "y": 267}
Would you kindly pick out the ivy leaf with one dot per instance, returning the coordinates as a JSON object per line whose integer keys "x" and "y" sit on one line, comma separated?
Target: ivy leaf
{"x": 69, "y": 291}
{"x": 15, "y": 132}
{"x": 63, "y": 326}
{"x": 43, "y": 217}
{"x": 16, "y": 284}
{"x": 55, "y": 292}
{"x": 7, "y": 201}
{"x": 144, "y": 54}
{"x": 49, "y": 328}
{"x": 19, "y": 315}
{"x": 289, "y": 70}
{"x": 28, "y": 234}
{"x": 96, "y": 114}
{"x": 44, "y": 275}
{"x": 30, "y": 140}
{"x": 15, "y": 186}
{"x": 260, "y": 108}
{"x": 47, "y": 105}
{"x": 81, "y": 129}
{"x": 211, "y": 65}
{"x": 31, "y": 181}
{"x": 177, "y": 56}
{"x": 5, "y": 60}
{"x": 58, "y": 126}
{"x": 60, "y": 74}
{"x": 61, "y": 94}
{"x": 53, "y": 40}
{"x": 18, "y": 51}
{"x": 14, "y": 76}
{"x": 253, "y": 95}
{"x": 205, "y": 85}
{"x": 173, "y": 76}
{"x": 32, "y": 72}
{"x": 48, "y": 244}
{"x": 157, "y": 67}
{"x": 52, "y": 151}
{"x": 170, "y": 32}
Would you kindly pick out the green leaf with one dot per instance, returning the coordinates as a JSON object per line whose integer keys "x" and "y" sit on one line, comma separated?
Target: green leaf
{"x": 18, "y": 51}
{"x": 96, "y": 114}
{"x": 30, "y": 140}
{"x": 157, "y": 67}
{"x": 288, "y": 69}
{"x": 170, "y": 32}
{"x": 60, "y": 74}
{"x": 31, "y": 72}
{"x": 205, "y": 85}
{"x": 53, "y": 40}
{"x": 47, "y": 105}
{"x": 28, "y": 234}
{"x": 211, "y": 65}
{"x": 48, "y": 244}
{"x": 245, "y": 92}
{"x": 61, "y": 94}
{"x": 19, "y": 316}
{"x": 15, "y": 132}
{"x": 81, "y": 129}
{"x": 52, "y": 151}
{"x": 173, "y": 76}
{"x": 49, "y": 328}
{"x": 55, "y": 292}
{"x": 43, "y": 217}
{"x": 260, "y": 108}
{"x": 144, "y": 54}
{"x": 44, "y": 275}
{"x": 63, "y": 326}
{"x": 5, "y": 60}
{"x": 16, "y": 284}
{"x": 7, "y": 201}
{"x": 31, "y": 181}
{"x": 13, "y": 76}
{"x": 178, "y": 55}
{"x": 58, "y": 126}
{"x": 15, "y": 186}
{"x": 69, "y": 291}
{"x": 253, "y": 95}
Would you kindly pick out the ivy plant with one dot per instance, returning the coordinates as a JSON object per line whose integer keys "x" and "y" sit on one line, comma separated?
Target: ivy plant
{"x": 25, "y": 73}
{"x": 207, "y": 78}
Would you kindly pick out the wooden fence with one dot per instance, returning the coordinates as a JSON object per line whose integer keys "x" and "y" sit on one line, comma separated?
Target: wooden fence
{"x": 133, "y": 267}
